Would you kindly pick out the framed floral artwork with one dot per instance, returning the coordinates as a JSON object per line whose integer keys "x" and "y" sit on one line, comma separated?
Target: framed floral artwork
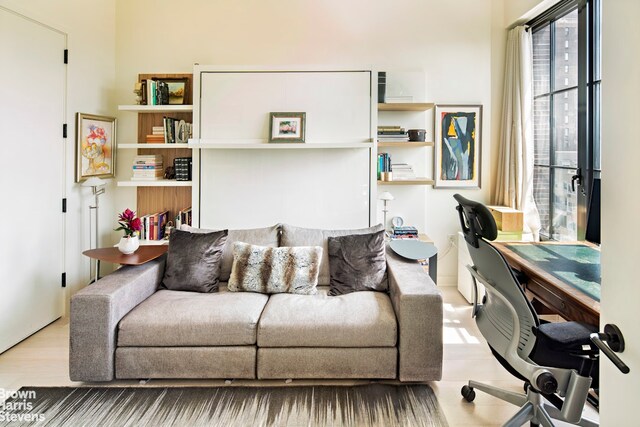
{"x": 95, "y": 146}
{"x": 287, "y": 127}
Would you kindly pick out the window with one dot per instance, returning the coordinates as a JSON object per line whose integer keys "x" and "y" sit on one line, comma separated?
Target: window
{"x": 566, "y": 82}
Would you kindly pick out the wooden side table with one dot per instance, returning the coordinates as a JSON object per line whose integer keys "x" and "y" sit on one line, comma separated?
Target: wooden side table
{"x": 114, "y": 256}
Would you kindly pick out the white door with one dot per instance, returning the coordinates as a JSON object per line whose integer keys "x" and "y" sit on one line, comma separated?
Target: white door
{"x": 32, "y": 84}
{"x": 620, "y": 206}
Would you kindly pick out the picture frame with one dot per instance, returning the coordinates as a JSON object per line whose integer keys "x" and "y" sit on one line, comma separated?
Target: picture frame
{"x": 458, "y": 146}
{"x": 287, "y": 127}
{"x": 95, "y": 146}
{"x": 177, "y": 90}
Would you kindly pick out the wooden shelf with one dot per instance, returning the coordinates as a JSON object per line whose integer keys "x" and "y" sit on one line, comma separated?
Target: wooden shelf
{"x": 406, "y": 106}
{"x": 155, "y": 108}
{"x": 258, "y": 144}
{"x": 405, "y": 144}
{"x": 417, "y": 181}
{"x": 158, "y": 183}
{"x": 153, "y": 146}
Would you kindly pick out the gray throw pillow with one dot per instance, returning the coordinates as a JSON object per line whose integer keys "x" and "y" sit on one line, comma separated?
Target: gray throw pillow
{"x": 193, "y": 261}
{"x": 357, "y": 263}
{"x": 275, "y": 270}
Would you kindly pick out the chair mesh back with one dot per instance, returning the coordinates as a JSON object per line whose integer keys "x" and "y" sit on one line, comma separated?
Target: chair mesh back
{"x": 494, "y": 318}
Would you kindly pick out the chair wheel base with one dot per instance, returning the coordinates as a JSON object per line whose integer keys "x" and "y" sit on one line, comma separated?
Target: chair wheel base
{"x": 468, "y": 393}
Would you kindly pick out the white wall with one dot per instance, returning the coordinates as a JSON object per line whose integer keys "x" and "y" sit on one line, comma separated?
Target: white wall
{"x": 90, "y": 27}
{"x": 453, "y": 44}
{"x": 519, "y": 11}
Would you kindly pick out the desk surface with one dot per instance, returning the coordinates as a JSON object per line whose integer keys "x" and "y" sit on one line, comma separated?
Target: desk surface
{"x": 113, "y": 255}
{"x": 563, "y": 276}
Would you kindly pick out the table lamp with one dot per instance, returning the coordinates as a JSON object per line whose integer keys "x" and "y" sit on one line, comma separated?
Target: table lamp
{"x": 94, "y": 182}
{"x": 385, "y": 197}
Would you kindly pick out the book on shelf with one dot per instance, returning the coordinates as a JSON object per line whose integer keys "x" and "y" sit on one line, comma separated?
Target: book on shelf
{"x": 183, "y": 217}
{"x": 402, "y": 171}
{"x": 384, "y": 164}
{"x": 153, "y": 225}
{"x": 147, "y": 168}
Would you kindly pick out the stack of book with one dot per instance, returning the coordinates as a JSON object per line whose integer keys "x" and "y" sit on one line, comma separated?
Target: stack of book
{"x": 182, "y": 167}
{"x": 152, "y": 226}
{"x": 405, "y": 232}
{"x": 157, "y": 135}
{"x": 147, "y": 168}
{"x": 402, "y": 172}
{"x": 392, "y": 134}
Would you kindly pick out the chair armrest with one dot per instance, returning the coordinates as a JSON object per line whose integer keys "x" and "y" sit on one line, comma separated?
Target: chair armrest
{"x": 417, "y": 303}
{"x": 95, "y": 313}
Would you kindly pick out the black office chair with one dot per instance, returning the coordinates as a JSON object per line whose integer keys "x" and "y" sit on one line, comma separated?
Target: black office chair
{"x": 555, "y": 360}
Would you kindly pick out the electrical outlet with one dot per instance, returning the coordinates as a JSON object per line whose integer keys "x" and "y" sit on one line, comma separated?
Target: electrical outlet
{"x": 451, "y": 238}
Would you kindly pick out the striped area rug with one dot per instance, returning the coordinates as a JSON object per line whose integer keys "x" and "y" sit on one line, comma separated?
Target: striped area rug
{"x": 368, "y": 405}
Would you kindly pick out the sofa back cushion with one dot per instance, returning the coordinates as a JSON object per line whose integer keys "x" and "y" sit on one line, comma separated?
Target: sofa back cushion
{"x": 275, "y": 270}
{"x": 267, "y": 236}
{"x": 299, "y": 236}
{"x": 193, "y": 261}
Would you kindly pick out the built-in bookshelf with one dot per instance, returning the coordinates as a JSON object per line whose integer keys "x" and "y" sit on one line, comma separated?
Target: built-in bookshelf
{"x": 392, "y": 146}
{"x": 161, "y": 195}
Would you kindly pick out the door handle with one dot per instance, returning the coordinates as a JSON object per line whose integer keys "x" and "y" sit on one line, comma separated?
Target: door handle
{"x": 576, "y": 177}
{"x": 610, "y": 341}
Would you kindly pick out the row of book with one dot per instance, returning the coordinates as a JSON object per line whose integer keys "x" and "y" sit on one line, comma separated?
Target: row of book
{"x": 183, "y": 217}
{"x": 392, "y": 133}
{"x": 402, "y": 171}
{"x": 147, "y": 167}
{"x": 172, "y": 131}
{"x": 153, "y": 226}
{"x": 384, "y": 164}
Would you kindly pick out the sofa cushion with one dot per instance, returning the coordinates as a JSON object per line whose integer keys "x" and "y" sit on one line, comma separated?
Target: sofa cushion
{"x": 359, "y": 319}
{"x": 275, "y": 270}
{"x": 357, "y": 263}
{"x": 298, "y": 236}
{"x": 176, "y": 318}
{"x": 267, "y": 236}
{"x": 193, "y": 261}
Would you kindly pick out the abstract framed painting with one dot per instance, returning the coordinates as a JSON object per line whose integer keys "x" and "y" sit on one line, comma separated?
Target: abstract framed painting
{"x": 458, "y": 131}
{"x": 95, "y": 146}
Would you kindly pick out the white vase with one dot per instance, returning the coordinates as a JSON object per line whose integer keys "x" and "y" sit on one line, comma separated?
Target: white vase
{"x": 129, "y": 244}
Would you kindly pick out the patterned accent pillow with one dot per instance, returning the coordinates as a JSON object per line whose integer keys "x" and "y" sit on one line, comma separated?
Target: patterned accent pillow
{"x": 357, "y": 263}
{"x": 193, "y": 261}
{"x": 275, "y": 270}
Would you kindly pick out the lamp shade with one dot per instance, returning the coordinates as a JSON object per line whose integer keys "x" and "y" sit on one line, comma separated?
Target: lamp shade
{"x": 386, "y": 196}
{"x": 94, "y": 181}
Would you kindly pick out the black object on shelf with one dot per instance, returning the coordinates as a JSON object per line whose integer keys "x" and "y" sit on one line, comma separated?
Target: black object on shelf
{"x": 382, "y": 86}
{"x": 182, "y": 167}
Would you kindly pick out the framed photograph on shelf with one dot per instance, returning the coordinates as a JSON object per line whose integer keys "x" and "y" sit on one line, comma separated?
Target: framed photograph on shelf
{"x": 177, "y": 89}
{"x": 457, "y": 154}
{"x": 95, "y": 146}
{"x": 287, "y": 127}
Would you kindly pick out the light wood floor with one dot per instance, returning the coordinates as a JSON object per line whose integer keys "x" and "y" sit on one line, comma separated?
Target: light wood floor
{"x": 42, "y": 360}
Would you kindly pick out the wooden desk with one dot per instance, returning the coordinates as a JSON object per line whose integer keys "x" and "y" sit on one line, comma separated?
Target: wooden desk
{"x": 552, "y": 292}
{"x": 113, "y": 255}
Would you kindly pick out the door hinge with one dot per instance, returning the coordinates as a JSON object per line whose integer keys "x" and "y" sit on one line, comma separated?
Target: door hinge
{"x": 64, "y": 205}
{"x": 66, "y": 56}
{"x": 64, "y": 130}
{"x": 63, "y": 280}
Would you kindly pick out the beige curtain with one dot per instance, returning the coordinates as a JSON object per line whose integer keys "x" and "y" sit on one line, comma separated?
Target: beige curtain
{"x": 514, "y": 185}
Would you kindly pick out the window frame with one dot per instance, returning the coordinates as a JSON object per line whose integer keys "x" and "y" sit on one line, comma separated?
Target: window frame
{"x": 588, "y": 108}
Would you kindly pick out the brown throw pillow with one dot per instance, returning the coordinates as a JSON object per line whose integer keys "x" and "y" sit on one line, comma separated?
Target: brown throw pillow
{"x": 357, "y": 263}
{"x": 193, "y": 261}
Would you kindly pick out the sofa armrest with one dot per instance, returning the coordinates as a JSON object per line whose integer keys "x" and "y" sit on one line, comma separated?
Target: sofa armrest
{"x": 95, "y": 313}
{"x": 417, "y": 303}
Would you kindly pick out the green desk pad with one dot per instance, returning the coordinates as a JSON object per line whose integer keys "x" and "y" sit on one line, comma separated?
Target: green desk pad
{"x": 576, "y": 265}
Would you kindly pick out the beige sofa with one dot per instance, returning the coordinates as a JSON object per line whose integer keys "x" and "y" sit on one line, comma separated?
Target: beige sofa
{"x": 125, "y": 327}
